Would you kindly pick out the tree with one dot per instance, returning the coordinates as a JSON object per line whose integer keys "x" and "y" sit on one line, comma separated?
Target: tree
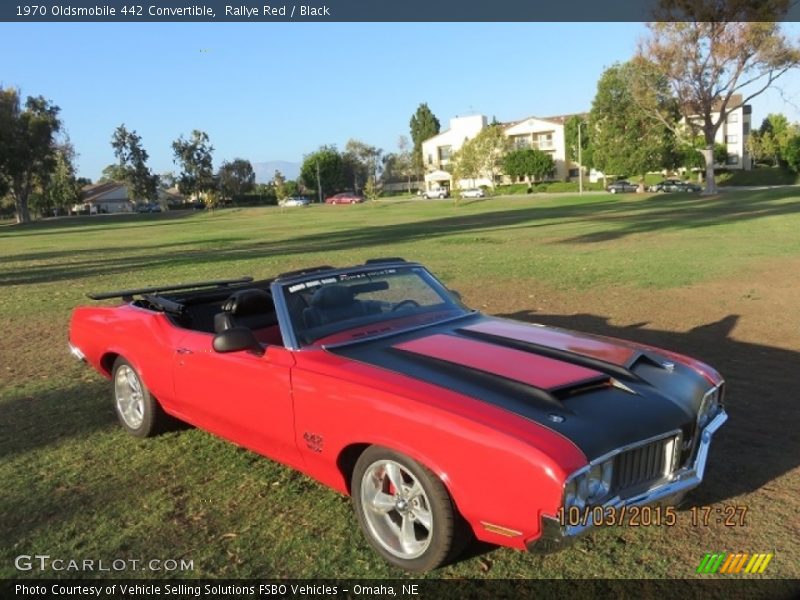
{"x": 529, "y": 163}
{"x": 372, "y": 189}
{"x": 626, "y": 140}
{"x": 707, "y": 51}
{"x": 113, "y": 172}
{"x": 63, "y": 189}
{"x": 770, "y": 142}
{"x": 571, "y": 139}
{"x": 362, "y": 162}
{"x": 323, "y": 168}
{"x": 27, "y": 146}
{"x": 791, "y": 153}
{"x": 424, "y": 125}
{"x": 279, "y": 183}
{"x": 491, "y": 147}
{"x": 405, "y": 162}
{"x": 195, "y": 159}
{"x": 132, "y": 163}
{"x": 689, "y": 154}
{"x": 466, "y": 163}
{"x": 236, "y": 178}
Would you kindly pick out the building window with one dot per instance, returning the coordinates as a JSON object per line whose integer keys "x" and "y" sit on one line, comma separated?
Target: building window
{"x": 444, "y": 152}
{"x": 544, "y": 140}
{"x": 732, "y": 139}
{"x": 733, "y": 159}
{"x": 430, "y": 159}
{"x": 746, "y": 128}
{"x": 521, "y": 141}
{"x": 573, "y": 172}
{"x": 733, "y": 117}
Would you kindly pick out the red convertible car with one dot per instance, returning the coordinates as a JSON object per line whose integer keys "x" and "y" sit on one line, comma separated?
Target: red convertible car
{"x": 345, "y": 198}
{"x": 440, "y": 422}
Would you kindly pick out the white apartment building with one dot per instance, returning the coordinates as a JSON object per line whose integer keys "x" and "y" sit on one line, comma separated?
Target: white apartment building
{"x": 542, "y": 134}
{"x": 734, "y": 134}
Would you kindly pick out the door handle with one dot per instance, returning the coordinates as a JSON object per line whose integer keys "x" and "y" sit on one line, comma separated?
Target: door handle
{"x": 184, "y": 351}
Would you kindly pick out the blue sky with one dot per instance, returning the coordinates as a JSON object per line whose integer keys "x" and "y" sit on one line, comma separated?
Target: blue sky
{"x": 276, "y": 91}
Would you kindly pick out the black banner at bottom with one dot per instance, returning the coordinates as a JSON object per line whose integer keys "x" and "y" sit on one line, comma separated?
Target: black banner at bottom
{"x": 404, "y": 589}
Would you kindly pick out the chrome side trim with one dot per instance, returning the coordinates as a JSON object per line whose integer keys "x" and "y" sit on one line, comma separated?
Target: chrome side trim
{"x": 555, "y": 536}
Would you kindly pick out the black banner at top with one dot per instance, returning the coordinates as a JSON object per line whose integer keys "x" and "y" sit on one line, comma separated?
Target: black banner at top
{"x": 266, "y": 11}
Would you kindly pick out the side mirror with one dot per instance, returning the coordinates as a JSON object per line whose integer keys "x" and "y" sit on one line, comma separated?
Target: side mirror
{"x": 237, "y": 339}
{"x": 455, "y": 293}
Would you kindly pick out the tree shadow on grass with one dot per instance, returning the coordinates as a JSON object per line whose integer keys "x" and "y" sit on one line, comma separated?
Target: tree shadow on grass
{"x": 615, "y": 218}
{"x": 759, "y": 442}
{"x": 29, "y": 421}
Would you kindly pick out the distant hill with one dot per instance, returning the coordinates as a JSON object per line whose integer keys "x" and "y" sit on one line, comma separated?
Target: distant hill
{"x": 266, "y": 170}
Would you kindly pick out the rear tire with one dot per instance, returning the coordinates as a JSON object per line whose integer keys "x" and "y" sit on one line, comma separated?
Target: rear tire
{"x": 138, "y": 411}
{"x": 405, "y": 511}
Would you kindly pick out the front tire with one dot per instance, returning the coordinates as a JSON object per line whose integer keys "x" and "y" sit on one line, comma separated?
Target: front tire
{"x": 138, "y": 411}
{"x": 405, "y": 511}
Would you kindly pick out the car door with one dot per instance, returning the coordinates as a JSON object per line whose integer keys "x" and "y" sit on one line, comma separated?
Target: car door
{"x": 241, "y": 396}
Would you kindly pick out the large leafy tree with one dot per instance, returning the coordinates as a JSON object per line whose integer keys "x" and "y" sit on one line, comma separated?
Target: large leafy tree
{"x": 626, "y": 140}
{"x": 424, "y": 125}
{"x": 529, "y": 163}
{"x": 236, "y": 177}
{"x": 707, "y": 51}
{"x": 132, "y": 164}
{"x": 323, "y": 169}
{"x": 194, "y": 156}
{"x": 28, "y": 147}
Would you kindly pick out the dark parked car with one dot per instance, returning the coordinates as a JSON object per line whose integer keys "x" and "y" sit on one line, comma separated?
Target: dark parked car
{"x": 619, "y": 187}
{"x": 345, "y": 198}
{"x": 675, "y": 185}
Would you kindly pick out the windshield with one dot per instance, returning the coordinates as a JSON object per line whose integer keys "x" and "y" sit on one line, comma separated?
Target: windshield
{"x": 346, "y": 306}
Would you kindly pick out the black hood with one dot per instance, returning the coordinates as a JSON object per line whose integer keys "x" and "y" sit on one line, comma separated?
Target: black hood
{"x": 604, "y": 404}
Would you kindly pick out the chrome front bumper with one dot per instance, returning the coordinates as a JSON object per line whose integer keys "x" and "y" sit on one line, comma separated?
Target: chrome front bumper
{"x": 556, "y": 536}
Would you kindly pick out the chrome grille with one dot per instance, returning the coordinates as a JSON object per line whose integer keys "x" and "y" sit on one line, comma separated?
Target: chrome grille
{"x": 647, "y": 463}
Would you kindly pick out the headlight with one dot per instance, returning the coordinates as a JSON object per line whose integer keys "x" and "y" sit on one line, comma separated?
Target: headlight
{"x": 708, "y": 407}
{"x": 590, "y": 486}
{"x": 599, "y": 480}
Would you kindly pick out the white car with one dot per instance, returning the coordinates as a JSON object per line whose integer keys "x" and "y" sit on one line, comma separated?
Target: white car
{"x": 474, "y": 193}
{"x": 294, "y": 201}
{"x": 440, "y": 192}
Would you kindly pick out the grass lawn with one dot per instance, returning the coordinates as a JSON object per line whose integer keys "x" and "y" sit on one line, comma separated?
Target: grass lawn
{"x": 714, "y": 278}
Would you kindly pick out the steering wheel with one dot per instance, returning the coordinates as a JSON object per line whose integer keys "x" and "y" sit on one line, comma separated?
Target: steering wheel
{"x": 402, "y": 303}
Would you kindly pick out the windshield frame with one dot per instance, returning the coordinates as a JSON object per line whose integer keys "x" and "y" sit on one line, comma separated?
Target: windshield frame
{"x": 280, "y": 289}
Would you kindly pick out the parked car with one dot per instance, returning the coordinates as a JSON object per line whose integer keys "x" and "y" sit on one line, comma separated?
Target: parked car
{"x": 294, "y": 201}
{"x": 619, "y": 187}
{"x": 439, "y": 421}
{"x": 473, "y": 193}
{"x": 149, "y": 208}
{"x": 438, "y": 192}
{"x": 675, "y": 185}
{"x": 345, "y": 198}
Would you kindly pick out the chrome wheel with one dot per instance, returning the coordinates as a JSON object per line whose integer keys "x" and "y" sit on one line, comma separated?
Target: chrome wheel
{"x": 129, "y": 396}
{"x": 396, "y": 509}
